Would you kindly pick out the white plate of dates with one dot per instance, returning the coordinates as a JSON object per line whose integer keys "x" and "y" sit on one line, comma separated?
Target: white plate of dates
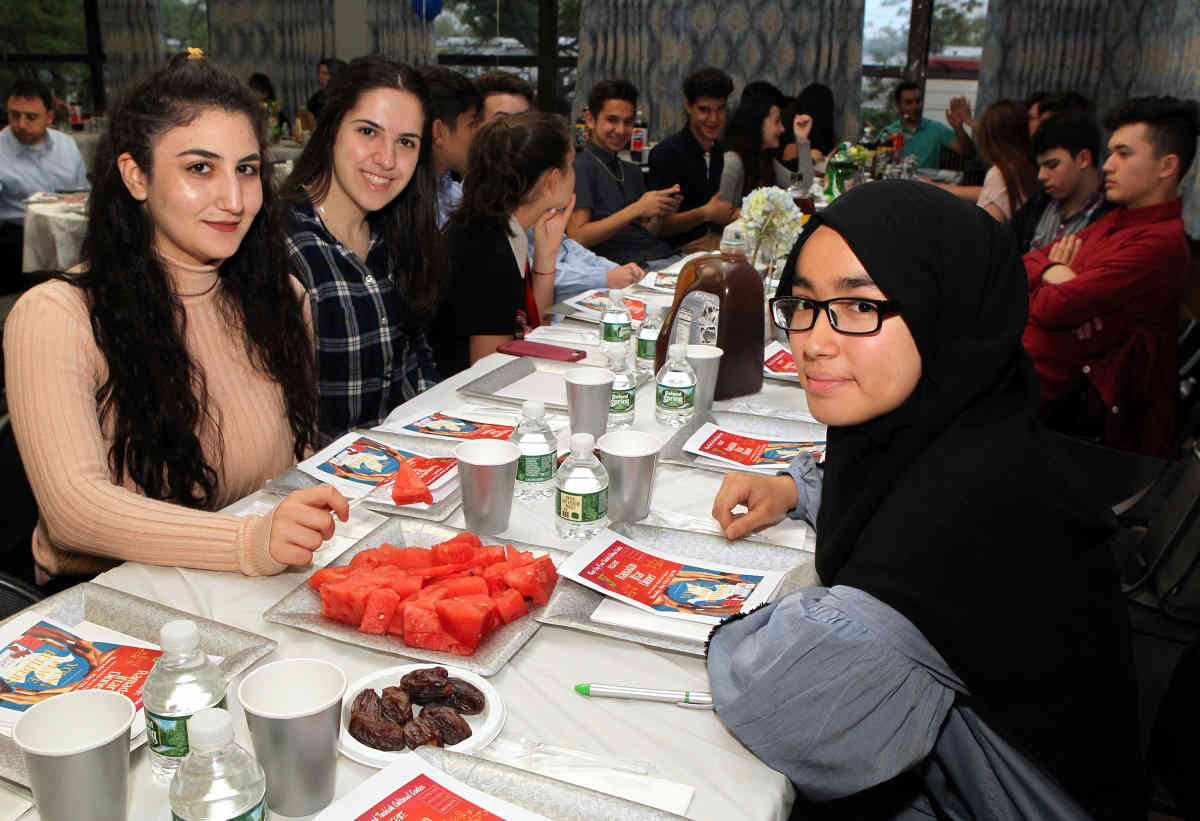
{"x": 393, "y": 711}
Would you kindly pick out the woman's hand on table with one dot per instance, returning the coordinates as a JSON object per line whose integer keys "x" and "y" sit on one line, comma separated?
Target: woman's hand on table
{"x": 767, "y": 500}
{"x": 303, "y": 522}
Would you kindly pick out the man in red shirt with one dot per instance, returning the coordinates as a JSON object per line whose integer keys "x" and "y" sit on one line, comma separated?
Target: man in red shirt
{"x": 1104, "y": 303}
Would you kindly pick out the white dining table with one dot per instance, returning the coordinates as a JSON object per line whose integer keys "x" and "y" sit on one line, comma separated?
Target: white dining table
{"x": 690, "y": 747}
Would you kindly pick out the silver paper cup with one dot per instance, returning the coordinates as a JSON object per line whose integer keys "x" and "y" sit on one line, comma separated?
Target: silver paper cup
{"x": 589, "y": 392}
{"x": 630, "y": 457}
{"x": 487, "y": 470}
{"x": 706, "y": 362}
{"x": 294, "y": 711}
{"x": 76, "y": 749}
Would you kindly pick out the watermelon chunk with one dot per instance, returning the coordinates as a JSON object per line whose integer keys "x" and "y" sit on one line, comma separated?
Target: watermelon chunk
{"x": 467, "y": 620}
{"x": 346, "y": 600}
{"x": 328, "y": 574}
{"x": 453, "y": 552}
{"x": 409, "y": 558}
{"x": 440, "y": 570}
{"x": 535, "y": 580}
{"x": 460, "y": 586}
{"x": 381, "y": 606}
{"x": 423, "y": 628}
{"x": 484, "y": 556}
{"x": 520, "y": 556}
{"x": 510, "y": 605}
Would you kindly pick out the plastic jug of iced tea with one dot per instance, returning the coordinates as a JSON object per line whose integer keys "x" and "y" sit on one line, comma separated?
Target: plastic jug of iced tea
{"x": 719, "y": 301}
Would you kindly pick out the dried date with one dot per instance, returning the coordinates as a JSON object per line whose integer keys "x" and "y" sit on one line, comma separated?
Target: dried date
{"x": 451, "y": 727}
{"x": 397, "y": 706}
{"x": 464, "y": 697}
{"x": 419, "y": 732}
{"x": 368, "y": 703}
{"x": 430, "y": 685}
{"x": 377, "y": 732}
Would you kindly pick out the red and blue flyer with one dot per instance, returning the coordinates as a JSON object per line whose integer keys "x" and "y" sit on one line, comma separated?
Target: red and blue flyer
{"x": 596, "y": 300}
{"x": 778, "y": 361}
{"x": 357, "y": 465}
{"x": 667, "y": 584}
{"x": 740, "y": 450}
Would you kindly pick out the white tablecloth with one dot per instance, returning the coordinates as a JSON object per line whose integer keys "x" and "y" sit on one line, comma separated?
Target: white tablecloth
{"x": 53, "y": 236}
{"x": 687, "y": 746}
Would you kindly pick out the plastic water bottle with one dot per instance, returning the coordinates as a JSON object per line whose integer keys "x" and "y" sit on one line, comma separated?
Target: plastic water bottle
{"x": 647, "y": 339}
{"x": 218, "y": 781}
{"x": 675, "y": 389}
{"x": 624, "y": 387}
{"x": 581, "y": 491}
{"x": 615, "y": 323}
{"x": 182, "y": 683}
{"x": 539, "y": 452}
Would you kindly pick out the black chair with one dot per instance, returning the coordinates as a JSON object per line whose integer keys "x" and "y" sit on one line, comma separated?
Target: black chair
{"x": 16, "y": 595}
{"x": 18, "y": 514}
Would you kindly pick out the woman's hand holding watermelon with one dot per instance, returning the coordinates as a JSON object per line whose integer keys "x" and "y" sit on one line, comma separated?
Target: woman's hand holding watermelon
{"x": 303, "y": 521}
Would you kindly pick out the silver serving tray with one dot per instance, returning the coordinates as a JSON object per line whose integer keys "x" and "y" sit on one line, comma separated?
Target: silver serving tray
{"x": 571, "y": 604}
{"x": 673, "y": 453}
{"x": 490, "y": 384}
{"x": 538, "y": 793}
{"x": 295, "y": 479}
{"x": 142, "y": 619}
{"x": 302, "y": 607}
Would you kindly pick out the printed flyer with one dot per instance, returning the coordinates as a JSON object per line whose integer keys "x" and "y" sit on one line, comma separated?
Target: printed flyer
{"x": 749, "y": 452}
{"x": 661, "y": 281}
{"x": 451, "y": 425}
{"x": 43, "y": 658}
{"x": 592, "y": 303}
{"x": 666, "y": 584}
{"x": 414, "y": 789}
{"x": 778, "y": 361}
{"x": 357, "y": 465}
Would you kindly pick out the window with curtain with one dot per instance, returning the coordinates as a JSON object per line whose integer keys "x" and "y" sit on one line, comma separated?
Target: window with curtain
{"x": 537, "y": 39}
{"x": 955, "y": 30}
{"x": 48, "y": 40}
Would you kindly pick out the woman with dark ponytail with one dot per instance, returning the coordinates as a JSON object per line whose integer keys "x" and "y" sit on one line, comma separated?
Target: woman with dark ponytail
{"x": 362, "y": 236}
{"x": 172, "y": 373}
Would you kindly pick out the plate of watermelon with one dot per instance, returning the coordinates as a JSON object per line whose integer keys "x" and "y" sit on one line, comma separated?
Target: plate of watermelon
{"x": 428, "y": 592}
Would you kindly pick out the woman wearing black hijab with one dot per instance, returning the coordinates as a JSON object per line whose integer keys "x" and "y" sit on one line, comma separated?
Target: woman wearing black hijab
{"x": 967, "y": 656}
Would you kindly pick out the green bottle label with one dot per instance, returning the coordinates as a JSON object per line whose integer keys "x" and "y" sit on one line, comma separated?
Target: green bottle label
{"x": 539, "y": 468}
{"x": 256, "y": 813}
{"x": 167, "y": 735}
{"x": 621, "y": 401}
{"x": 675, "y": 398}
{"x": 616, "y": 331}
{"x": 581, "y": 507}
{"x": 645, "y": 348}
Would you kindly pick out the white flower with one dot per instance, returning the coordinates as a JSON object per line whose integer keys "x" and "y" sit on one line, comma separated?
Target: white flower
{"x": 771, "y": 222}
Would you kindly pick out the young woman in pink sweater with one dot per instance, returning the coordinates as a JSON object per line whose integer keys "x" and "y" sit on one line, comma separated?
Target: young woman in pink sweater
{"x": 172, "y": 374}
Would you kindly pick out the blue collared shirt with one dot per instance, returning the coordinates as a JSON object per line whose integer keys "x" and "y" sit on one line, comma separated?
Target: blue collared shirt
{"x": 576, "y": 270}
{"x": 54, "y": 164}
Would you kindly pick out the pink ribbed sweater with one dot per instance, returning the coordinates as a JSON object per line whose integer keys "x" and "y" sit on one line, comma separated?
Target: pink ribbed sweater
{"x": 53, "y": 371}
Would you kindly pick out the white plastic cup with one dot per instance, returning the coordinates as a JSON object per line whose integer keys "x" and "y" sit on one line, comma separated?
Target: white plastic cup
{"x": 294, "y": 711}
{"x": 630, "y": 458}
{"x": 76, "y": 750}
{"x": 589, "y": 394}
{"x": 706, "y": 362}
{"x": 487, "y": 471}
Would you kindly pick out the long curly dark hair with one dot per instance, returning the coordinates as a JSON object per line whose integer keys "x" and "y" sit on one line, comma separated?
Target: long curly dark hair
{"x": 508, "y": 157}
{"x": 409, "y": 222}
{"x": 155, "y": 394}
{"x": 744, "y": 134}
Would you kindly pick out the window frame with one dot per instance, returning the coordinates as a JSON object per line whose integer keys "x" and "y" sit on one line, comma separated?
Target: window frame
{"x": 94, "y": 56}
{"x": 547, "y": 60}
{"x": 920, "y": 28}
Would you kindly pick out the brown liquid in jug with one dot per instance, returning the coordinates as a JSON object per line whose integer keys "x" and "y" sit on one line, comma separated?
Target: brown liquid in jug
{"x": 719, "y": 301}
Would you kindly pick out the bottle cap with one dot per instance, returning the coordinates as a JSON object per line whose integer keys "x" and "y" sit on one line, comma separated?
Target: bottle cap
{"x": 582, "y": 443}
{"x": 209, "y": 729}
{"x": 677, "y": 351}
{"x": 179, "y": 636}
{"x": 534, "y": 409}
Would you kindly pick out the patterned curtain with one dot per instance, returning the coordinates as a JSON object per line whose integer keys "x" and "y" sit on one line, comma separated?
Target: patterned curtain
{"x": 1107, "y": 51}
{"x": 131, "y": 36}
{"x": 657, "y": 43}
{"x": 399, "y": 33}
{"x": 282, "y": 38}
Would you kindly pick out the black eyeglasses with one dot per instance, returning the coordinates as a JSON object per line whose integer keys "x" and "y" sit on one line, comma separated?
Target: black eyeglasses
{"x": 854, "y": 316}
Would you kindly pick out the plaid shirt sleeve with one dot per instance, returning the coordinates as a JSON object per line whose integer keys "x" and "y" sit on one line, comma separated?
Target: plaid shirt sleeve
{"x": 368, "y": 360}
